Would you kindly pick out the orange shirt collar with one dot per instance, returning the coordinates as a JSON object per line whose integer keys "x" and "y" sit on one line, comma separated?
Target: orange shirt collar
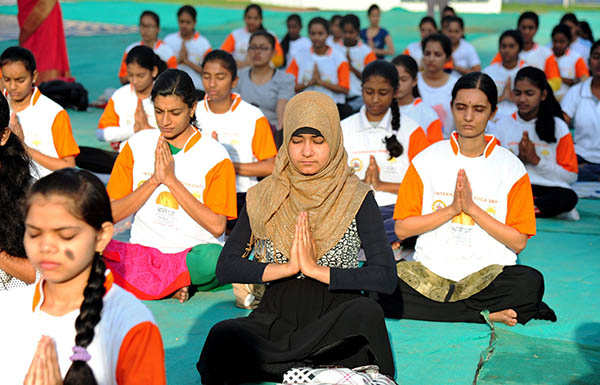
{"x": 234, "y": 97}
{"x": 490, "y": 140}
{"x": 38, "y": 294}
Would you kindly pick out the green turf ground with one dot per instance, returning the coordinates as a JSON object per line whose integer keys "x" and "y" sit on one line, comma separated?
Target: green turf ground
{"x": 568, "y": 254}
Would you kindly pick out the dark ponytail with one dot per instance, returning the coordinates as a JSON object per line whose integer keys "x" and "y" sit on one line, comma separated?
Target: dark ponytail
{"x": 387, "y": 71}
{"x": 89, "y": 316}
{"x": 410, "y": 65}
{"x": 145, "y": 58}
{"x": 89, "y": 202}
{"x": 549, "y": 107}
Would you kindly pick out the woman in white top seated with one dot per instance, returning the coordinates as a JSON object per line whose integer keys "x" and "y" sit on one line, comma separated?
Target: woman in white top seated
{"x": 427, "y": 27}
{"x": 464, "y": 55}
{"x": 580, "y": 106}
{"x": 538, "y": 135}
{"x": 381, "y": 141}
{"x": 470, "y": 202}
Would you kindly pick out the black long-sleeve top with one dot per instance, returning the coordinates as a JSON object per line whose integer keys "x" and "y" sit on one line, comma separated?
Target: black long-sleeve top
{"x": 377, "y": 274}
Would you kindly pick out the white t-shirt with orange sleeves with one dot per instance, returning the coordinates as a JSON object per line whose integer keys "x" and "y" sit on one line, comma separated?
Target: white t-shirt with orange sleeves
{"x": 197, "y": 47}
{"x": 426, "y": 117}
{"x": 540, "y": 57}
{"x": 335, "y": 45}
{"x": 360, "y": 55}
{"x": 415, "y": 51}
{"x": 558, "y": 162}
{"x": 439, "y": 99}
{"x": 47, "y": 128}
{"x": 500, "y": 186}
{"x": 243, "y": 130}
{"x": 333, "y": 67}
{"x": 117, "y": 121}
{"x": 299, "y": 44}
{"x": 362, "y": 140}
{"x": 465, "y": 55}
{"x": 202, "y": 166}
{"x": 584, "y": 109}
{"x": 237, "y": 42}
{"x": 162, "y": 50}
{"x": 500, "y": 75}
{"x": 571, "y": 66}
{"x": 127, "y": 348}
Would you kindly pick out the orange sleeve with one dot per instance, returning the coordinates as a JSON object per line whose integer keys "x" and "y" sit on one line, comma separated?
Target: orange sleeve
{"x": 123, "y": 68}
{"x": 263, "y": 145}
{"x": 219, "y": 194}
{"x": 497, "y": 59}
{"x": 552, "y": 73}
{"x": 172, "y": 62}
{"x": 62, "y": 135}
{"x": 565, "y": 154}
{"x": 277, "y": 59}
{"x": 141, "y": 357}
{"x": 343, "y": 74}
{"x": 370, "y": 57}
{"x": 120, "y": 183}
{"x": 406, "y": 52}
{"x": 520, "y": 213}
{"x": 449, "y": 64}
{"x": 581, "y": 68}
{"x": 229, "y": 44}
{"x": 109, "y": 117}
{"x": 434, "y": 131}
{"x": 293, "y": 69}
{"x": 417, "y": 143}
{"x": 410, "y": 195}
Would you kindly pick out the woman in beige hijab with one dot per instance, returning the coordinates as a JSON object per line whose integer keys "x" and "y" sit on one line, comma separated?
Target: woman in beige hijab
{"x": 306, "y": 224}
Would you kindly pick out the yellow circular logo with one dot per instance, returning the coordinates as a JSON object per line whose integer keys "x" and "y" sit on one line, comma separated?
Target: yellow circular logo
{"x": 438, "y": 205}
{"x": 167, "y": 199}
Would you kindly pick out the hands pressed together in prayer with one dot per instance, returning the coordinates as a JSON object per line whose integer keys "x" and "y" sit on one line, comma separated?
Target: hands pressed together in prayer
{"x": 372, "y": 173}
{"x": 164, "y": 164}
{"x": 141, "y": 118}
{"x": 44, "y": 369}
{"x": 15, "y": 127}
{"x": 302, "y": 254}
{"x": 527, "y": 152}
{"x": 463, "y": 195}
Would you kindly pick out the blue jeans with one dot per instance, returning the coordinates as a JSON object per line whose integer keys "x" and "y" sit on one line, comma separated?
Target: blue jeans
{"x": 588, "y": 172}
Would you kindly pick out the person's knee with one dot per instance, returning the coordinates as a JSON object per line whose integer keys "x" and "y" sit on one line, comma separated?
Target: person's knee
{"x": 570, "y": 199}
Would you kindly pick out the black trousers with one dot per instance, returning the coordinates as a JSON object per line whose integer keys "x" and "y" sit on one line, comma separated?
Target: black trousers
{"x": 518, "y": 287}
{"x": 96, "y": 159}
{"x": 552, "y": 201}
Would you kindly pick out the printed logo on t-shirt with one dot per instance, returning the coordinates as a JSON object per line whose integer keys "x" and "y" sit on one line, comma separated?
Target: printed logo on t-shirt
{"x": 356, "y": 164}
{"x": 167, "y": 199}
{"x": 437, "y": 205}
{"x": 463, "y": 219}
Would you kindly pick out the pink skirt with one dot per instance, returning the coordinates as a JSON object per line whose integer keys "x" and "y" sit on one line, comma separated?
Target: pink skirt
{"x": 145, "y": 271}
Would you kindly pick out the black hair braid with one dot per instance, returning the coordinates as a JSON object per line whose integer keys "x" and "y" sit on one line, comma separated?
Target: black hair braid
{"x": 89, "y": 316}
{"x": 393, "y": 146}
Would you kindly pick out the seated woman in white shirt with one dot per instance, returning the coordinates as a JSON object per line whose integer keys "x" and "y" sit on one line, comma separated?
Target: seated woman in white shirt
{"x": 435, "y": 85}
{"x": 180, "y": 184}
{"x": 380, "y": 141}
{"x": 322, "y": 68}
{"x": 570, "y": 63}
{"x": 464, "y": 55}
{"x": 427, "y": 27}
{"x": 293, "y": 41}
{"x": 538, "y": 135}
{"x": 503, "y": 72}
{"x": 580, "y": 106}
{"x": 130, "y": 109}
{"x": 189, "y": 46}
{"x": 470, "y": 202}
{"x": 409, "y": 99}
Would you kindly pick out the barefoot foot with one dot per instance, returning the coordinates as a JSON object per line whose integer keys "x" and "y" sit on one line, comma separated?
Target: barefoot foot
{"x": 508, "y": 317}
{"x": 182, "y": 294}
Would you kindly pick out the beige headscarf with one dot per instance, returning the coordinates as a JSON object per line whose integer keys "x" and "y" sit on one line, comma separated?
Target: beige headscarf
{"x": 332, "y": 197}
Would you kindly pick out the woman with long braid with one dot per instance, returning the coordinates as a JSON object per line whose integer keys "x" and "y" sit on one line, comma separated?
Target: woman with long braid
{"x": 68, "y": 223}
{"x": 380, "y": 141}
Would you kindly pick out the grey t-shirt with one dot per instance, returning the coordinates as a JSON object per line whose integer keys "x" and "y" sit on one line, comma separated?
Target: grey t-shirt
{"x": 265, "y": 96}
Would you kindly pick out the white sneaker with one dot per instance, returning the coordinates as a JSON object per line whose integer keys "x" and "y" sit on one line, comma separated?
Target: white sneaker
{"x": 572, "y": 215}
